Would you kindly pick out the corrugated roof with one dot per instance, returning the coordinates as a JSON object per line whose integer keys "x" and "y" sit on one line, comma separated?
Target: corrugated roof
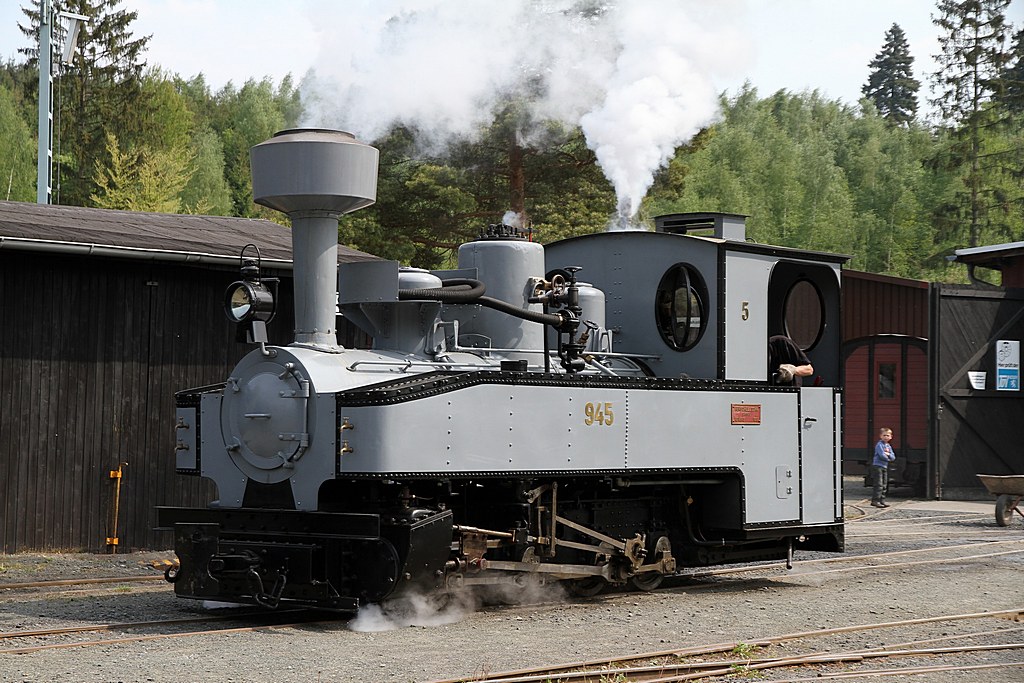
{"x": 148, "y": 236}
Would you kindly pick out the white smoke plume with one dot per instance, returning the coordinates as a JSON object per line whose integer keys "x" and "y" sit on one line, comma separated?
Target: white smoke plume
{"x": 636, "y": 75}
{"x": 513, "y": 219}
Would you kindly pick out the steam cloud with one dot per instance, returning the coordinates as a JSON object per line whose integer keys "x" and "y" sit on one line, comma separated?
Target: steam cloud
{"x": 636, "y": 75}
{"x": 428, "y": 611}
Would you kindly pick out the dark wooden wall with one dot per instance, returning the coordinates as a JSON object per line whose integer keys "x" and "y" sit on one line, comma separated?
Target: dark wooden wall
{"x": 92, "y": 351}
{"x": 880, "y": 304}
{"x": 977, "y": 431}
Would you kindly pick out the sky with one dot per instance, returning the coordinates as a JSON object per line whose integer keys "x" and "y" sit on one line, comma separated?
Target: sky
{"x": 639, "y": 79}
{"x": 793, "y": 44}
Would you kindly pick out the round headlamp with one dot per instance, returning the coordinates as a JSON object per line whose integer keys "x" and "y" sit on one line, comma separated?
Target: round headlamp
{"x": 245, "y": 301}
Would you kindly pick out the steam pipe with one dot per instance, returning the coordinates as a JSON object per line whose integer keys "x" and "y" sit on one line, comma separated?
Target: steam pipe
{"x": 555, "y": 321}
{"x": 452, "y": 291}
{"x": 474, "y": 295}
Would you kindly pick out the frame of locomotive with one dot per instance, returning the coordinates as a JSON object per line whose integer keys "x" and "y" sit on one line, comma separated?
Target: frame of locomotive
{"x": 471, "y": 446}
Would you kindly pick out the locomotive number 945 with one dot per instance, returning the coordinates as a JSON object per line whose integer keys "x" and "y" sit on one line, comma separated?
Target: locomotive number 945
{"x": 599, "y": 410}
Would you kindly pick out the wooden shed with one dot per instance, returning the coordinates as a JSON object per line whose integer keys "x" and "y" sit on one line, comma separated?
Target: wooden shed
{"x": 975, "y": 372}
{"x": 104, "y": 315}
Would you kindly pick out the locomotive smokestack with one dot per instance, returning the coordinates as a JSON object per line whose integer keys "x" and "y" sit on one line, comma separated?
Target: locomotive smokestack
{"x": 314, "y": 176}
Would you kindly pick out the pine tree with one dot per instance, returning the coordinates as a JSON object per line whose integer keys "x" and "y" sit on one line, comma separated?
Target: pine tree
{"x": 1010, "y": 93}
{"x": 972, "y": 58}
{"x": 100, "y": 93}
{"x": 891, "y": 84}
{"x": 141, "y": 179}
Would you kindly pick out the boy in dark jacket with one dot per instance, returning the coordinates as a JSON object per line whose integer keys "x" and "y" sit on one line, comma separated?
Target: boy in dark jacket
{"x": 880, "y": 467}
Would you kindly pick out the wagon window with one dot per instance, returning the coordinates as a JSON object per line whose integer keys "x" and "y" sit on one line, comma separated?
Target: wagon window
{"x": 803, "y": 314}
{"x": 681, "y": 307}
{"x": 886, "y": 380}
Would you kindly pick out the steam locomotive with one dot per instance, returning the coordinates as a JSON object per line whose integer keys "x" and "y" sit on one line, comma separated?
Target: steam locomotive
{"x": 595, "y": 411}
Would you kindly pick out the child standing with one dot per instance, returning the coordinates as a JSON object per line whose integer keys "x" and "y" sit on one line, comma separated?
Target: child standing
{"x": 880, "y": 467}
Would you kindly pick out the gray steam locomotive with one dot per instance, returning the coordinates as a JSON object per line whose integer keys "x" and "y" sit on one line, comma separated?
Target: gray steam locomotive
{"x": 595, "y": 411}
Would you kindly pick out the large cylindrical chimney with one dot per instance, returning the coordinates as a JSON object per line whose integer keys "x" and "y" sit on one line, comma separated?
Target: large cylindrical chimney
{"x": 314, "y": 176}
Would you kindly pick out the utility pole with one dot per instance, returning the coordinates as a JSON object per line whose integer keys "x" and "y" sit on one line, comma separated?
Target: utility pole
{"x": 44, "y": 165}
{"x": 45, "y": 159}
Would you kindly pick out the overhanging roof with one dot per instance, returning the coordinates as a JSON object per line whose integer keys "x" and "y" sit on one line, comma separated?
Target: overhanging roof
{"x": 992, "y": 256}
{"x": 147, "y": 236}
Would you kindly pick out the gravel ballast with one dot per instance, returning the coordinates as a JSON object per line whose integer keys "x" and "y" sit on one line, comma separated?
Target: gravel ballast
{"x": 471, "y": 639}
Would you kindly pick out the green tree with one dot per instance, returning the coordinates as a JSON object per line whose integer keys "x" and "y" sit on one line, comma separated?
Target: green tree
{"x": 1010, "y": 94}
{"x": 99, "y": 93}
{"x": 423, "y": 207}
{"x": 169, "y": 120}
{"x": 774, "y": 161}
{"x": 428, "y": 205}
{"x": 891, "y": 84}
{"x": 1010, "y": 100}
{"x": 244, "y": 118}
{"x": 887, "y": 180}
{"x": 140, "y": 179}
{"x": 971, "y": 60}
{"x": 814, "y": 173}
{"x": 21, "y": 83}
{"x": 207, "y": 191}
{"x": 17, "y": 152}
{"x": 567, "y": 194}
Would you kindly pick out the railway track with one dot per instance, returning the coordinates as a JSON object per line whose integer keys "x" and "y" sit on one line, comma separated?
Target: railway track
{"x": 843, "y": 563}
{"x": 966, "y": 552}
{"x": 81, "y": 587}
{"x": 269, "y": 621}
{"x": 800, "y": 567}
{"x": 54, "y": 583}
{"x": 870, "y": 561}
{"x": 774, "y": 659}
{"x": 737, "y": 660}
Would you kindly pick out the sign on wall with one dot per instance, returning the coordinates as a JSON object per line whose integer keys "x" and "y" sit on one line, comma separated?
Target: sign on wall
{"x": 1007, "y": 365}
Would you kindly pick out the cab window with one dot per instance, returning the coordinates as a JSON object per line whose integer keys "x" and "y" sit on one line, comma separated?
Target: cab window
{"x": 681, "y": 307}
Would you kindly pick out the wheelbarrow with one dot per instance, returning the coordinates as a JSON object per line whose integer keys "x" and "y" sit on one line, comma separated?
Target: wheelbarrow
{"x": 1009, "y": 490}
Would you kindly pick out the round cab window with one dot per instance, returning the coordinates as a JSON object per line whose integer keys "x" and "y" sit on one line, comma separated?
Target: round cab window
{"x": 681, "y": 307}
{"x": 803, "y": 314}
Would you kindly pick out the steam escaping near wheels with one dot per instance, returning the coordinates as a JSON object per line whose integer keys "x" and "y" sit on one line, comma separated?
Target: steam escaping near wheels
{"x": 438, "y": 609}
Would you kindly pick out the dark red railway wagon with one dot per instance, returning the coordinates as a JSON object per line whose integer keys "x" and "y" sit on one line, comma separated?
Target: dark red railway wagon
{"x": 885, "y": 372}
{"x": 886, "y": 386}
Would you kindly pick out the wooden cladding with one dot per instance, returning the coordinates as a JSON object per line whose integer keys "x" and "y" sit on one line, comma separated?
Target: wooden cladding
{"x": 92, "y": 351}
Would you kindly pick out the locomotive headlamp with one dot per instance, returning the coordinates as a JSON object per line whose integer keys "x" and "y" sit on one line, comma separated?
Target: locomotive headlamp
{"x": 245, "y": 301}
{"x": 249, "y": 302}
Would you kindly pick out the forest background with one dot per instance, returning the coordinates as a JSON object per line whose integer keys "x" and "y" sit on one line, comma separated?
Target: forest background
{"x": 876, "y": 181}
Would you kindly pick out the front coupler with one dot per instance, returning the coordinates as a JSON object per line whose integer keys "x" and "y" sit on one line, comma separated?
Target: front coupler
{"x": 326, "y": 560}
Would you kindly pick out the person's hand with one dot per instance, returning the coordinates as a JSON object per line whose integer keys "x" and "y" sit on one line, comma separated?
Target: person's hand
{"x": 786, "y": 372}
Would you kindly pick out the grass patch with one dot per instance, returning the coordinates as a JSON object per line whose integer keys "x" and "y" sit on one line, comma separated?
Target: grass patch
{"x": 744, "y": 650}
